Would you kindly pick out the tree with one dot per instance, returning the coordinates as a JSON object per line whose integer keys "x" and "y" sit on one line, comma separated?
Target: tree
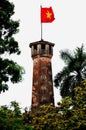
{"x": 74, "y": 111}
{"x": 70, "y": 114}
{"x": 73, "y": 72}
{"x": 9, "y": 70}
{"x": 11, "y": 118}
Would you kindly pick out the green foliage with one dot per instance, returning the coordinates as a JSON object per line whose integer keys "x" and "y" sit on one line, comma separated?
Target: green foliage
{"x": 70, "y": 114}
{"x": 8, "y": 118}
{"x": 73, "y": 72}
{"x": 11, "y": 118}
{"x": 9, "y": 70}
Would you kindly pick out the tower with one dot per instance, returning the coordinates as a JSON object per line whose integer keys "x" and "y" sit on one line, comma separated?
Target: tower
{"x": 42, "y": 87}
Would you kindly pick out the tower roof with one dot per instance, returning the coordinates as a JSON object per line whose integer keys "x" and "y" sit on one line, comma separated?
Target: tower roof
{"x": 41, "y": 42}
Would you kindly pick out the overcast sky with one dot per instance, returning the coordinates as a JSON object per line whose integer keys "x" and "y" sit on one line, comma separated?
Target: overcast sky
{"x": 67, "y": 31}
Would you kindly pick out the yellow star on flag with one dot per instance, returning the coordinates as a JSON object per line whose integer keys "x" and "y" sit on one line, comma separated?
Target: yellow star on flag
{"x": 49, "y": 14}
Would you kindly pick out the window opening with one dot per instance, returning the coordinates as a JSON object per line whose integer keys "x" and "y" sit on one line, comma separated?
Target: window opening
{"x": 43, "y": 46}
{"x": 35, "y": 47}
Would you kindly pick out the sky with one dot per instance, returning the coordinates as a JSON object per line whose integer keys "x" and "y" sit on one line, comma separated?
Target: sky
{"x": 67, "y": 31}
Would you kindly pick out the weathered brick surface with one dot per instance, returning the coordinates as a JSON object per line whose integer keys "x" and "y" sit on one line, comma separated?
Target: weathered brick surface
{"x": 42, "y": 87}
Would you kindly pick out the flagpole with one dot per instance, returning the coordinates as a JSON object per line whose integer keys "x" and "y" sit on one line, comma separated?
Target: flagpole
{"x": 41, "y": 30}
{"x": 41, "y": 25}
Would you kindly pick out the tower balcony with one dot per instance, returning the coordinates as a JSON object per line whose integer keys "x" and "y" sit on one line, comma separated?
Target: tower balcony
{"x": 42, "y": 48}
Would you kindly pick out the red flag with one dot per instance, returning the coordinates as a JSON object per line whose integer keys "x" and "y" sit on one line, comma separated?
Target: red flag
{"x": 47, "y": 15}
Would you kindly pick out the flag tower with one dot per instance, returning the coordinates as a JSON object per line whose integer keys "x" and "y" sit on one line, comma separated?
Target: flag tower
{"x": 41, "y": 53}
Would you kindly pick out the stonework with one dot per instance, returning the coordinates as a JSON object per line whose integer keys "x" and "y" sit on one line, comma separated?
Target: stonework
{"x": 42, "y": 87}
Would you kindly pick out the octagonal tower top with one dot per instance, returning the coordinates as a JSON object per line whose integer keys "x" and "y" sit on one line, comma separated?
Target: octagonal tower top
{"x": 42, "y": 48}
